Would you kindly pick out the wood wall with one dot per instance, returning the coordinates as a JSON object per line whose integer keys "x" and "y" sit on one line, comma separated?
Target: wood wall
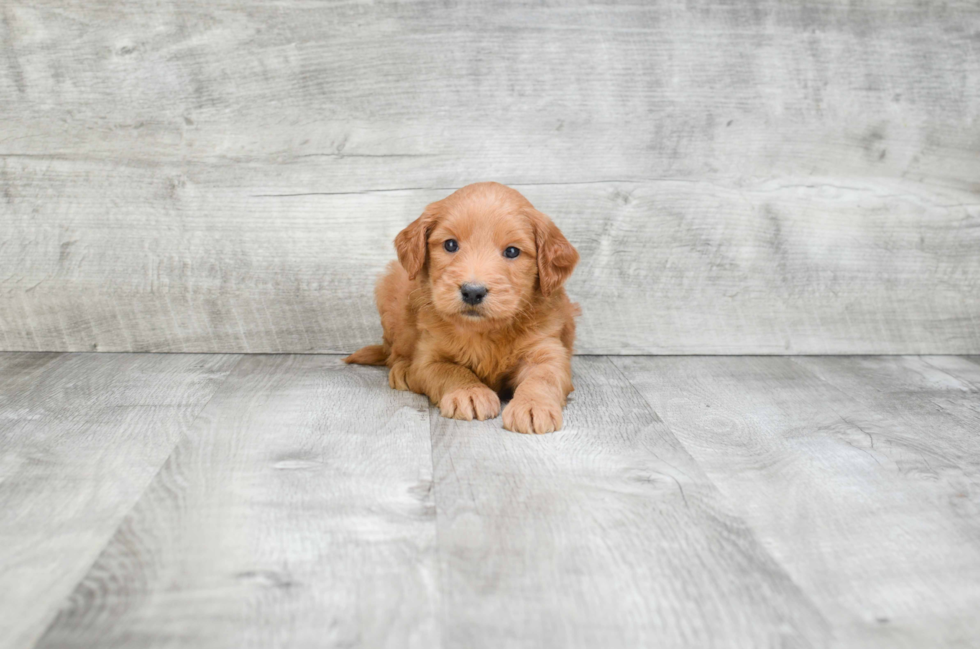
{"x": 740, "y": 177}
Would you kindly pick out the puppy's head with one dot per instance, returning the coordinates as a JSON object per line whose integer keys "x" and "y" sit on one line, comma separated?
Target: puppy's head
{"x": 487, "y": 254}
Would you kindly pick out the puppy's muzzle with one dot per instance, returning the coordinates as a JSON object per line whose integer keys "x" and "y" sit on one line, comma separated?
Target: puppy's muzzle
{"x": 473, "y": 294}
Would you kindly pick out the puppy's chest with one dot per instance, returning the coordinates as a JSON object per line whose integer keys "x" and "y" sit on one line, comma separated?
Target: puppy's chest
{"x": 492, "y": 363}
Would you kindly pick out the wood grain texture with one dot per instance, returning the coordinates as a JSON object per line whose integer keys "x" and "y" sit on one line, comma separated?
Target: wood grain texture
{"x": 851, "y": 476}
{"x": 607, "y": 534}
{"x": 81, "y": 436}
{"x": 208, "y": 175}
{"x": 938, "y": 395}
{"x": 297, "y": 512}
{"x": 709, "y": 502}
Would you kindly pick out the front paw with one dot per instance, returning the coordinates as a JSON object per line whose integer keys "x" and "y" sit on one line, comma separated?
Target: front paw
{"x": 474, "y": 402}
{"x": 523, "y": 415}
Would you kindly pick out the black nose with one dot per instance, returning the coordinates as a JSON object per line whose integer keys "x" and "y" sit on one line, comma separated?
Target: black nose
{"x": 473, "y": 293}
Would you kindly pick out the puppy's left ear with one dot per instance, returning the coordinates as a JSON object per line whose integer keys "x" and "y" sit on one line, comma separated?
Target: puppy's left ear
{"x": 556, "y": 256}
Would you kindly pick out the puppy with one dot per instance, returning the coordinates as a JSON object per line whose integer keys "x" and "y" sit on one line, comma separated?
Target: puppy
{"x": 475, "y": 306}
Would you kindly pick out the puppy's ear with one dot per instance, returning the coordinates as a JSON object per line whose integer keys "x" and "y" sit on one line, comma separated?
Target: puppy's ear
{"x": 412, "y": 243}
{"x": 556, "y": 256}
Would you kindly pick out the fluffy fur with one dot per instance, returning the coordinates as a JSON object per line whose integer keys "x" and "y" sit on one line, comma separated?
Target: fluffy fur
{"x": 517, "y": 341}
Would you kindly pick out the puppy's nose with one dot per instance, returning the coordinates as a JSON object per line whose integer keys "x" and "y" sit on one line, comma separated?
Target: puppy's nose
{"x": 473, "y": 293}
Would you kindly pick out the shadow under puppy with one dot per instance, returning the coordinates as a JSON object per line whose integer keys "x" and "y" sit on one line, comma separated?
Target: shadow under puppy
{"x": 475, "y": 306}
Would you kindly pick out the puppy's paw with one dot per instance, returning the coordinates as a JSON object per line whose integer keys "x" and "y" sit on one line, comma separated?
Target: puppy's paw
{"x": 398, "y": 376}
{"x": 523, "y": 415}
{"x": 475, "y": 402}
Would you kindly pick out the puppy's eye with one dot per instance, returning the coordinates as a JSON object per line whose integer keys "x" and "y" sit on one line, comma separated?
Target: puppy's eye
{"x": 510, "y": 252}
{"x": 450, "y": 245}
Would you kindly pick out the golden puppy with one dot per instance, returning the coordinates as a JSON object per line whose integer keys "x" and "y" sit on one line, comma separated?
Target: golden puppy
{"x": 475, "y": 306}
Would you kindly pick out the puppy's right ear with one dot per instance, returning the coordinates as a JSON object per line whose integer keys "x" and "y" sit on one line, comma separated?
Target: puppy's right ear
{"x": 412, "y": 243}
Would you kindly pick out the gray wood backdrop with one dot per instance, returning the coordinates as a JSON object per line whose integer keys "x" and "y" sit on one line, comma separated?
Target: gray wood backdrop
{"x": 740, "y": 177}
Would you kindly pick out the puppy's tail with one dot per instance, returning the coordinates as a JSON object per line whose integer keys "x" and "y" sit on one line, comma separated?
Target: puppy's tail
{"x": 370, "y": 355}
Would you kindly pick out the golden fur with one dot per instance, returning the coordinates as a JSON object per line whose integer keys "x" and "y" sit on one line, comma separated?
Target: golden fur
{"x": 518, "y": 340}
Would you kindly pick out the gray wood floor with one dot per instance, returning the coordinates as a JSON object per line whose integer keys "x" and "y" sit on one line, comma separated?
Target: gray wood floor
{"x": 292, "y": 501}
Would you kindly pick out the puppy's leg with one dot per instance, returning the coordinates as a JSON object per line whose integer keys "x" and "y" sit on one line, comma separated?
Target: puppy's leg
{"x": 457, "y": 390}
{"x": 398, "y": 374}
{"x": 542, "y": 382}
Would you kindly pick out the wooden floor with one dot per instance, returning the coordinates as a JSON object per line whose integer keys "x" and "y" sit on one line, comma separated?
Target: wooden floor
{"x": 292, "y": 501}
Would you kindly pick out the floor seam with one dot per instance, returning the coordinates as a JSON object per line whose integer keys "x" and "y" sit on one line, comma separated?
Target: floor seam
{"x": 440, "y": 624}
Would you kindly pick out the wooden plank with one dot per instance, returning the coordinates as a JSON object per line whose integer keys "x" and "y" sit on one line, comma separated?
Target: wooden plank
{"x": 787, "y": 178}
{"x": 776, "y": 267}
{"x": 863, "y": 506}
{"x": 297, "y": 512}
{"x": 966, "y": 368}
{"x": 938, "y": 394}
{"x": 81, "y": 436}
{"x": 940, "y": 379}
{"x": 606, "y": 534}
{"x": 19, "y": 372}
{"x": 436, "y": 94}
